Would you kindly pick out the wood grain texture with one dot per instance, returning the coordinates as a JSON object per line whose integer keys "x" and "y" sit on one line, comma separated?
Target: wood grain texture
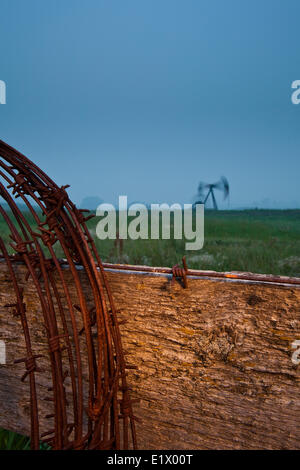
{"x": 214, "y": 361}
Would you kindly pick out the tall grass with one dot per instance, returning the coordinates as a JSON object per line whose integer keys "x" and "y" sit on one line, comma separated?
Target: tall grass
{"x": 262, "y": 241}
{"x": 12, "y": 441}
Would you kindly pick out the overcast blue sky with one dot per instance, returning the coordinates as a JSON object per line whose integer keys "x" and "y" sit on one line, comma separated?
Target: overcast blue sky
{"x": 147, "y": 97}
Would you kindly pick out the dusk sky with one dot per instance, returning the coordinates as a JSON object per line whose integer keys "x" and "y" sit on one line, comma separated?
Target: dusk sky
{"x": 145, "y": 98}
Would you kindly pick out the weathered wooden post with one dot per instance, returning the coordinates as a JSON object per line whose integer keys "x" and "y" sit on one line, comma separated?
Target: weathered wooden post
{"x": 215, "y": 367}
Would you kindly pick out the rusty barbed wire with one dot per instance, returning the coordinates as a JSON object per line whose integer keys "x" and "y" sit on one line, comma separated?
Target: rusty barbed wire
{"x": 180, "y": 273}
{"x": 104, "y": 418}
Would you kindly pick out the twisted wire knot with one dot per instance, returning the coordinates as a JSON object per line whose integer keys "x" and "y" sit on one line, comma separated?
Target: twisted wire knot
{"x": 178, "y": 272}
{"x": 30, "y": 364}
{"x": 54, "y": 343}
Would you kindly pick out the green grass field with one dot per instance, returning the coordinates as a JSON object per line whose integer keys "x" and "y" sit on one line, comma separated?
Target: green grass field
{"x": 261, "y": 241}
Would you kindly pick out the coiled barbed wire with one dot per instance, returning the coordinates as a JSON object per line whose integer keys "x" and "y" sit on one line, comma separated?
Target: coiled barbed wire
{"x": 104, "y": 419}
